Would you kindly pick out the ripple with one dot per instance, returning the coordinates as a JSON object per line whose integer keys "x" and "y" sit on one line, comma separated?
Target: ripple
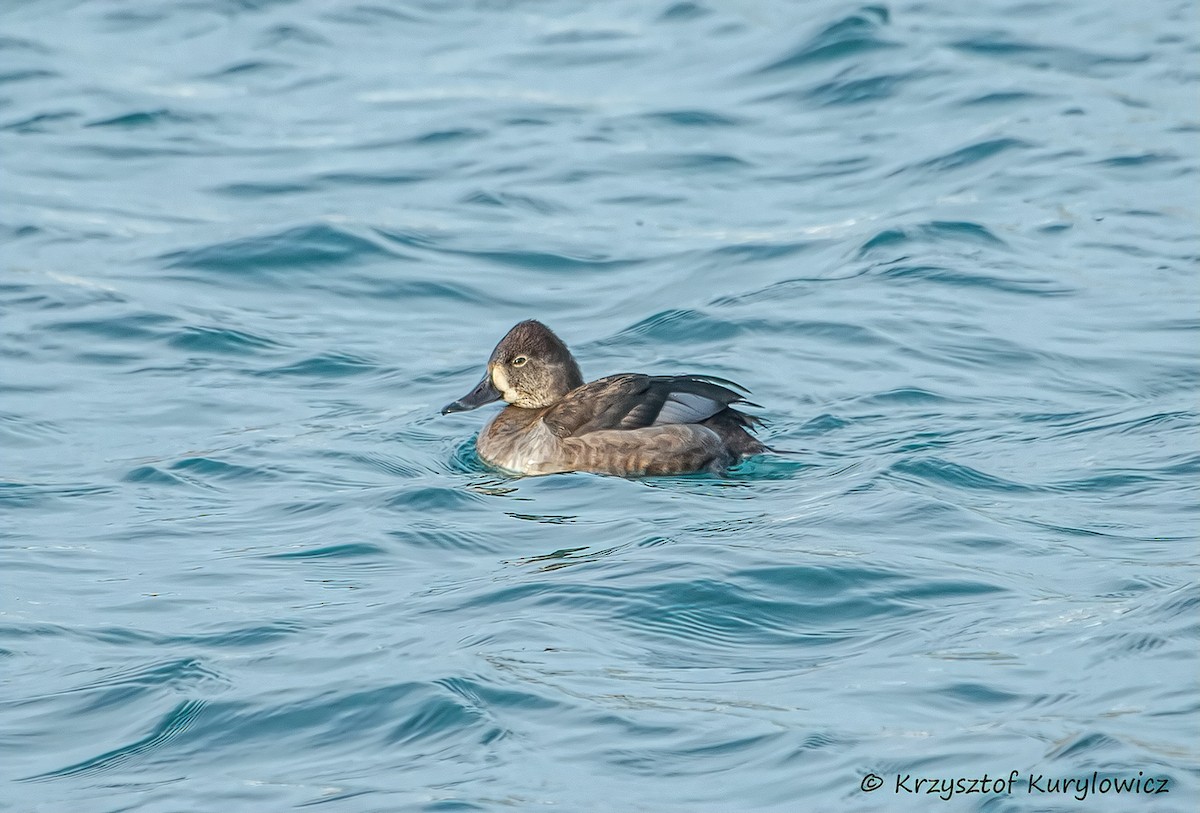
{"x": 26, "y": 75}
{"x": 1087, "y": 423}
{"x": 1000, "y": 45}
{"x": 149, "y": 118}
{"x": 972, "y": 279}
{"x": 308, "y": 246}
{"x": 1001, "y": 97}
{"x": 392, "y": 465}
{"x": 10, "y": 43}
{"x": 439, "y": 538}
{"x": 934, "y": 232}
{"x": 723, "y": 753}
{"x": 695, "y": 161}
{"x": 973, "y": 154}
{"x": 1138, "y": 160}
{"x": 351, "y": 550}
{"x": 1088, "y": 743}
{"x": 42, "y": 495}
{"x": 262, "y": 189}
{"x": 400, "y": 714}
{"x": 684, "y": 11}
{"x": 692, "y": 118}
{"x": 546, "y": 260}
{"x": 251, "y": 67}
{"x": 23, "y": 430}
{"x": 1180, "y": 604}
{"x": 577, "y": 54}
{"x": 371, "y": 14}
{"x": 967, "y": 695}
{"x": 1123, "y": 481}
{"x": 207, "y": 467}
{"x": 672, "y": 326}
{"x": 904, "y": 396}
{"x": 1133, "y": 644}
{"x": 207, "y": 339}
{"x": 323, "y": 365}
{"x": 762, "y": 251}
{"x": 850, "y": 36}
{"x": 307, "y": 509}
{"x": 287, "y": 34}
{"x": 510, "y": 200}
{"x": 822, "y": 606}
{"x": 990, "y": 352}
{"x": 840, "y": 333}
{"x": 152, "y": 475}
{"x": 437, "y": 719}
{"x": 125, "y": 685}
{"x": 941, "y": 472}
{"x": 137, "y": 326}
{"x": 858, "y": 91}
{"x": 40, "y": 122}
{"x": 430, "y": 498}
{"x": 132, "y": 20}
{"x": 331, "y": 180}
{"x": 172, "y": 726}
{"x": 779, "y": 291}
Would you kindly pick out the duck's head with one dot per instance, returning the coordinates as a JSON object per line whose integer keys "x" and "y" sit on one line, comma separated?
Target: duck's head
{"x": 530, "y": 368}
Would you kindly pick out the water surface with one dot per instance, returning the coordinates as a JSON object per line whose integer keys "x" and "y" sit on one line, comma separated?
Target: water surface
{"x": 250, "y": 248}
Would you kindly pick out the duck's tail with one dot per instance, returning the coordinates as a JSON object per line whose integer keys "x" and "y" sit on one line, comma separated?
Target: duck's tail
{"x": 735, "y": 427}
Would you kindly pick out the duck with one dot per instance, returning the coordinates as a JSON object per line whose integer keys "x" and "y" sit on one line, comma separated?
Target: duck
{"x": 628, "y": 424}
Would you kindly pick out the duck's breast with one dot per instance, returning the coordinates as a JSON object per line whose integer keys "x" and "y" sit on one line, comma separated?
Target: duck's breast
{"x": 517, "y": 440}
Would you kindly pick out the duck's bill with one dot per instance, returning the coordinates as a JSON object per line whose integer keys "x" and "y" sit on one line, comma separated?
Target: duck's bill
{"x": 484, "y": 393}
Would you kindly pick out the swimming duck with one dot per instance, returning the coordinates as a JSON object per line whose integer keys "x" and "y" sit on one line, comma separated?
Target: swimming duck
{"x": 630, "y": 425}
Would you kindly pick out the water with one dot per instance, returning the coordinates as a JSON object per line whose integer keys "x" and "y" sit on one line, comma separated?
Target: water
{"x": 250, "y": 248}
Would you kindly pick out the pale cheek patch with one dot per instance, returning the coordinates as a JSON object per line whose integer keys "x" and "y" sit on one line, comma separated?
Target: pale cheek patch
{"x": 500, "y": 381}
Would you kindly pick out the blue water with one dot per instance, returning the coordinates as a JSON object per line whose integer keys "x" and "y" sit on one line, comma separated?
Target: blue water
{"x": 250, "y": 248}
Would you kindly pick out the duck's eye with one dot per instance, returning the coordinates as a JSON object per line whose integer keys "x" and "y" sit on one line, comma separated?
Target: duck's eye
{"x": 519, "y": 361}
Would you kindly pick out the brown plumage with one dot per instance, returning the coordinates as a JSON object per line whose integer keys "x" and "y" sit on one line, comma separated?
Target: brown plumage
{"x": 628, "y": 424}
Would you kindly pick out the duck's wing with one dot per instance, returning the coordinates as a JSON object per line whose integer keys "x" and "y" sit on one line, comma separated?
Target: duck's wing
{"x": 634, "y": 401}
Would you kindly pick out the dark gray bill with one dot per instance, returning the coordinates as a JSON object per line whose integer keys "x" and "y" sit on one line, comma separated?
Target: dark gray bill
{"x": 484, "y": 393}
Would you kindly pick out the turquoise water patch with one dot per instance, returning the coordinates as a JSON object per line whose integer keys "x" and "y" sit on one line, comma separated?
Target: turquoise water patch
{"x": 251, "y": 249}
